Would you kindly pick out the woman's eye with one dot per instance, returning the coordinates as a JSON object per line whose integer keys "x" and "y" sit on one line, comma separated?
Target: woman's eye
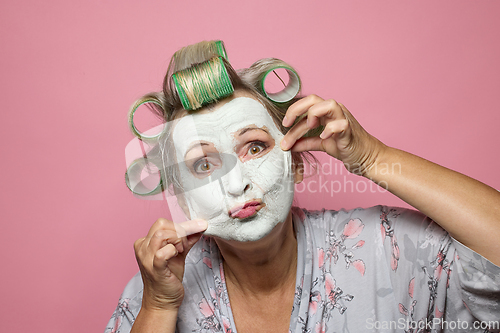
{"x": 203, "y": 166}
{"x": 256, "y": 148}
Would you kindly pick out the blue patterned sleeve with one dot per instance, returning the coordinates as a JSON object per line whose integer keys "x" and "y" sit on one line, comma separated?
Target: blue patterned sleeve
{"x": 479, "y": 281}
{"x": 128, "y": 307}
{"x": 438, "y": 278}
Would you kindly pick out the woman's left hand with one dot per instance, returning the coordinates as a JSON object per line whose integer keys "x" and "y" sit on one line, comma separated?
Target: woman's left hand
{"x": 465, "y": 207}
{"x": 342, "y": 137}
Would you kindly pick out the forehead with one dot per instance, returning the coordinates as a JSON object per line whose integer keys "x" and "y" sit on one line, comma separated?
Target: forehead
{"x": 220, "y": 124}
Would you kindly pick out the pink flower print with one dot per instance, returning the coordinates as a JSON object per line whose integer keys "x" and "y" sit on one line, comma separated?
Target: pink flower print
{"x": 213, "y": 294}
{"x": 321, "y": 257}
{"x": 411, "y": 287}
{"x": 437, "y": 272}
{"x": 298, "y": 294}
{"x": 221, "y": 269}
{"x": 359, "y": 265}
{"x": 382, "y": 231}
{"x": 118, "y": 323}
{"x": 402, "y": 308}
{"x": 337, "y": 246}
{"x": 353, "y": 228}
{"x": 227, "y": 325}
{"x": 330, "y": 286}
{"x": 437, "y": 313}
{"x": 320, "y": 327}
{"x": 205, "y": 308}
{"x": 314, "y": 301}
{"x": 207, "y": 261}
{"x": 209, "y": 323}
{"x": 122, "y": 310}
{"x": 219, "y": 294}
{"x": 440, "y": 264}
{"x": 387, "y": 230}
{"x": 358, "y": 245}
{"x": 335, "y": 295}
{"x": 395, "y": 253}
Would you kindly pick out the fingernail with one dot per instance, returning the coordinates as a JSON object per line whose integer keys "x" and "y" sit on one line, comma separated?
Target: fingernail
{"x": 285, "y": 121}
{"x": 203, "y": 224}
{"x": 284, "y": 144}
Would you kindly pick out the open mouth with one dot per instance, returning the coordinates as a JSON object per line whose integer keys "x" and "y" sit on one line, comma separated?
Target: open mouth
{"x": 248, "y": 209}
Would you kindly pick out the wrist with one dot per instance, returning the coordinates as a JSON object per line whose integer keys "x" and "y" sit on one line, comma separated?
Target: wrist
{"x": 155, "y": 307}
{"x": 160, "y": 299}
{"x": 367, "y": 159}
{"x": 157, "y": 312}
{"x": 384, "y": 163}
{"x": 155, "y": 320}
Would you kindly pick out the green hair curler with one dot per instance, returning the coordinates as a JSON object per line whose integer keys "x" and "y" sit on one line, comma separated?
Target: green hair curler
{"x": 291, "y": 90}
{"x": 203, "y": 83}
{"x": 140, "y": 186}
{"x": 221, "y": 49}
{"x": 131, "y": 123}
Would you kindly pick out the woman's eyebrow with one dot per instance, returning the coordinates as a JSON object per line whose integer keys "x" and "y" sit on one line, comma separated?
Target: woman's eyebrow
{"x": 195, "y": 145}
{"x": 244, "y": 130}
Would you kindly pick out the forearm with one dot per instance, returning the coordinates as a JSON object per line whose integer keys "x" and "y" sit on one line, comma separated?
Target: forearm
{"x": 468, "y": 209}
{"x": 157, "y": 321}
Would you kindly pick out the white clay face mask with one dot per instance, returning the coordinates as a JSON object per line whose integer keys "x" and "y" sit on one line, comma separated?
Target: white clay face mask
{"x": 235, "y": 174}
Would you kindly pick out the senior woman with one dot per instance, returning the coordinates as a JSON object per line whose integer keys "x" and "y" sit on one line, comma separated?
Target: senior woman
{"x": 246, "y": 260}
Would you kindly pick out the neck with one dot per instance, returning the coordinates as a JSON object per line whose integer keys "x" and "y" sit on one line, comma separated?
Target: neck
{"x": 263, "y": 266}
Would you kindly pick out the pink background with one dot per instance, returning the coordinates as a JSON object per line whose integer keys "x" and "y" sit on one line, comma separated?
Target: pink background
{"x": 422, "y": 76}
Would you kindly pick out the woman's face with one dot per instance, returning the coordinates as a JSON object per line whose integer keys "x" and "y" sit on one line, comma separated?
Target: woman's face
{"x": 234, "y": 173}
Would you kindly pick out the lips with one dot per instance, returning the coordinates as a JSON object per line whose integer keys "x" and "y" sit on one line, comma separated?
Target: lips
{"x": 248, "y": 209}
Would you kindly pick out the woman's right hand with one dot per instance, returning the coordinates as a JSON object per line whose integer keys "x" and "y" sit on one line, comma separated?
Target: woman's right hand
{"x": 161, "y": 255}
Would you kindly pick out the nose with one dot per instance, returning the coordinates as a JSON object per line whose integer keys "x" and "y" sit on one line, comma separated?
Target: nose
{"x": 236, "y": 183}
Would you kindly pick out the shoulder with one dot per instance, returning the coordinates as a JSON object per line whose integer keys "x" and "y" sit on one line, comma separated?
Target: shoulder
{"x": 133, "y": 289}
{"x": 376, "y": 224}
{"x": 128, "y": 306}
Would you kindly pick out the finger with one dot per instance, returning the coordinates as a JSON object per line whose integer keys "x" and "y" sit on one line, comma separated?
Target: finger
{"x": 320, "y": 113}
{"x": 299, "y": 108}
{"x": 308, "y": 144}
{"x": 190, "y": 232}
{"x": 190, "y": 227}
{"x": 162, "y": 256}
{"x": 162, "y": 238}
{"x": 161, "y": 223}
{"x": 353, "y": 123}
{"x": 137, "y": 244}
{"x": 328, "y": 109}
{"x": 339, "y": 127}
{"x": 294, "y": 134}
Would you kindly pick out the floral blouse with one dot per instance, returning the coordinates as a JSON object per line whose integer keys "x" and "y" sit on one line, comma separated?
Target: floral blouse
{"x": 380, "y": 269}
